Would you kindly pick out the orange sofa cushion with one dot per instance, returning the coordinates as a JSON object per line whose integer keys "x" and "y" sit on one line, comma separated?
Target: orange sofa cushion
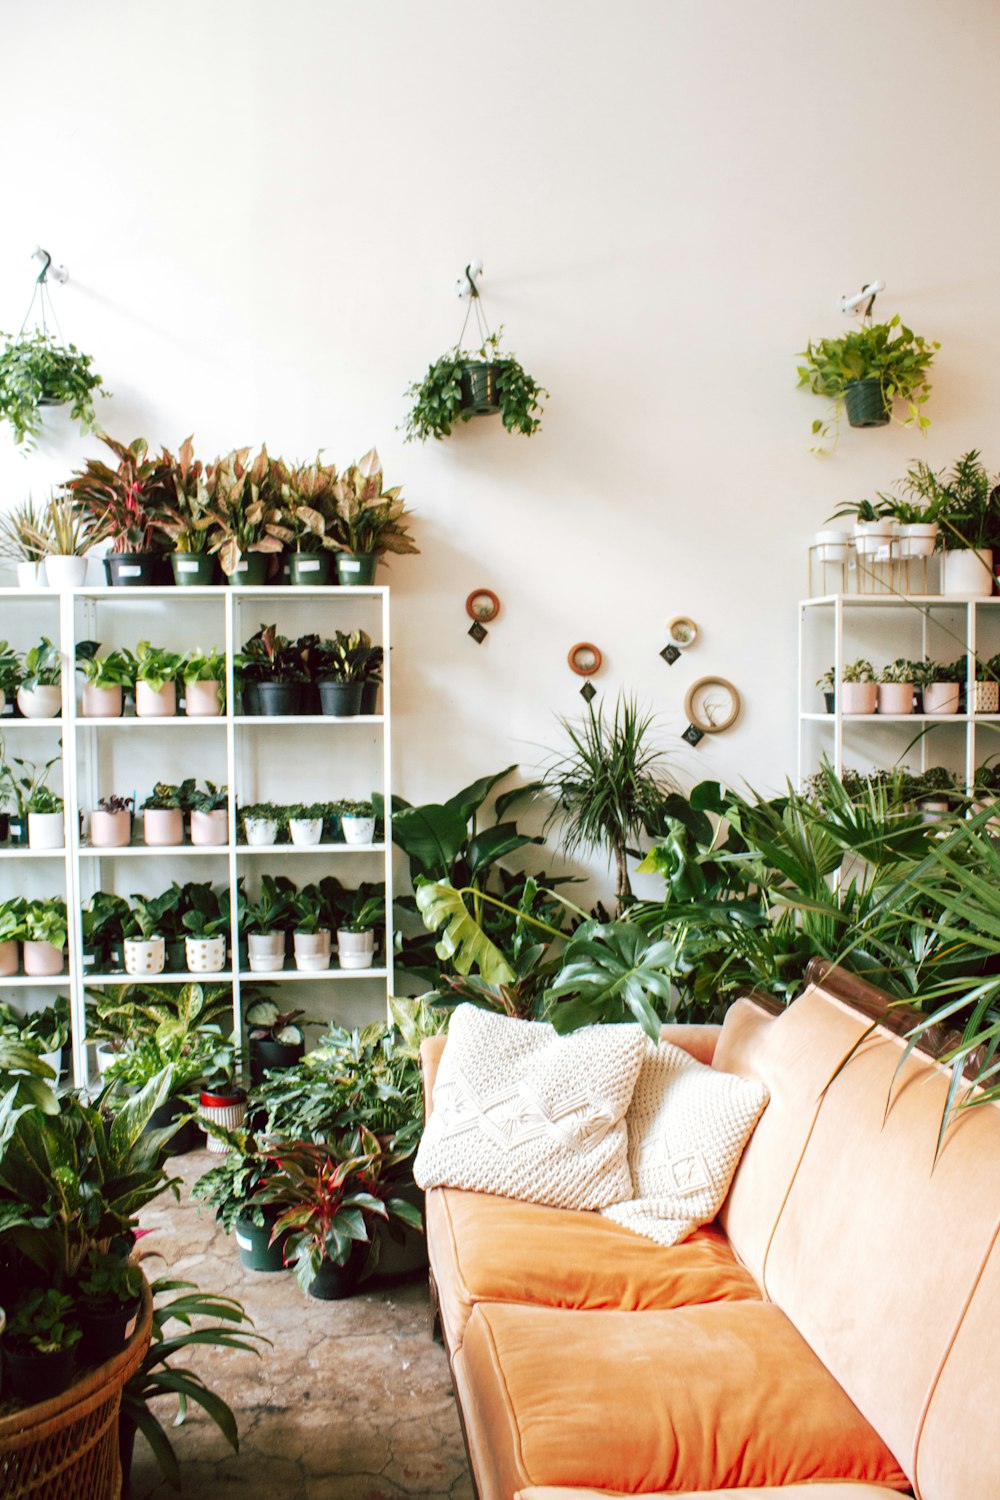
{"x": 696, "y": 1398}
{"x": 489, "y": 1249}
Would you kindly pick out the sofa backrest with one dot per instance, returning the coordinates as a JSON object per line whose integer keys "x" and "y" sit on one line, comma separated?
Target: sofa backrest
{"x": 885, "y": 1259}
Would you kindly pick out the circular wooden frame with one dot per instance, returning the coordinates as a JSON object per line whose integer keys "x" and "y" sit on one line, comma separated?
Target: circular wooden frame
{"x": 484, "y": 616}
{"x": 702, "y": 724}
{"x": 581, "y": 648}
{"x": 688, "y": 629}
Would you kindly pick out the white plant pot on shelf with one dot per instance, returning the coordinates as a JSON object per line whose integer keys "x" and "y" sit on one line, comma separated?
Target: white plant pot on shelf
{"x": 917, "y": 538}
{"x": 873, "y": 539}
{"x": 42, "y": 960}
{"x": 229, "y": 1116}
{"x": 206, "y": 955}
{"x": 203, "y": 700}
{"x": 8, "y": 957}
{"x": 357, "y": 830}
{"x": 46, "y": 830}
{"x": 145, "y": 955}
{"x": 858, "y": 697}
{"x": 261, "y": 832}
{"x": 210, "y": 827}
{"x": 153, "y": 703}
{"x": 941, "y": 698}
{"x": 110, "y": 830}
{"x": 968, "y": 572}
{"x": 31, "y": 575}
{"x": 163, "y": 826}
{"x": 40, "y": 702}
{"x": 895, "y": 698}
{"x": 53, "y": 1060}
{"x": 305, "y": 830}
{"x": 355, "y": 950}
{"x": 831, "y": 545}
{"x": 63, "y": 572}
{"x": 267, "y": 952}
{"x": 102, "y": 702}
{"x": 105, "y": 1056}
{"x": 313, "y": 950}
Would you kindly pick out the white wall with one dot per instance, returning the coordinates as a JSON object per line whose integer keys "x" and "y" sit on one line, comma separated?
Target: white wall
{"x": 263, "y": 209}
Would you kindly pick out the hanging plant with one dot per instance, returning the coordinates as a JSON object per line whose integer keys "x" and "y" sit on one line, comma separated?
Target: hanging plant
{"x": 36, "y": 370}
{"x": 866, "y": 371}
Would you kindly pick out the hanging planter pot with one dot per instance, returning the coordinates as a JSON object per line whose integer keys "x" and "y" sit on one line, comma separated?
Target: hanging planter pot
{"x": 194, "y": 569}
{"x": 480, "y": 388}
{"x": 250, "y": 572}
{"x": 279, "y": 698}
{"x": 340, "y": 700}
{"x": 359, "y": 569}
{"x": 102, "y": 702}
{"x": 309, "y": 568}
{"x": 135, "y": 570}
{"x": 265, "y": 952}
{"x": 155, "y": 703}
{"x": 866, "y": 404}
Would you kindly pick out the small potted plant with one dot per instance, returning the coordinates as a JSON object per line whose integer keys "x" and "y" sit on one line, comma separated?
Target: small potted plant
{"x": 204, "y": 676}
{"x": 36, "y": 371}
{"x": 103, "y": 920}
{"x": 66, "y": 537}
{"x": 942, "y": 693}
{"x": 267, "y": 922}
{"x": 13, "y": 930}
{"x": 45, "y": 935}
{"x": 205, "y": 940}
{"x": 935, "y": 792}
{"x": 39, "y": 1346}
{"x": 859, "y": 692}
{"x": 145, "y": 947}
{"x": 25, "y": 541}
{"x": 111, "y": 823}
{"x": 106, "y": 1295}
{"x": 274, "y": 1039}
{"x": 369, "y": 521}
{"x": 163, "y": 812}
{"x": 48, "y": 1030}
{"x": 46, "y": 821}
{"x": 460, "y": 385}
{"x": 965, "y": 502}
{"x": 308, "y": 509}
{"x": 311, "y": 931}
{"x": 341, "y": 664}
{"x": 106, "y": 680}
{"x": 40, "y": 693}
{"x": 222, "y": 1102}
{"x": 210, "y": 815}
{"x": 185, "y": 519}
{"x": 356, "y": 935}
{"x": 232, "y": 1188}
{"x": 262, "y": 823}
{"x": 125, "y": 506}
{"x": 305, "y": 822}
{"x": 272, "y": 673}
{"x": 916, "y": 527}
{"x": 11, "y": 674}
{"x": 895, "y": 688}
{"x": 357, "y": 819}
{"x": 873, "y": 527}
{"x": 867, "y": 370}
{"x": 156, "y": 674}
{"x": 828, "y": 684}
{"x": 987, "y": 688}
{"x": 243, "y": 506}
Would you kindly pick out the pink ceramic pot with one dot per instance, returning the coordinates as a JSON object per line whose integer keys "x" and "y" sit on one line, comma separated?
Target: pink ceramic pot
{"x": 42, "y": 959}
{"x": 101, "y": 702}
{"x": 163, "y": 825}
{"x": 153, "y": 705}
{"x": 203, "y": 700}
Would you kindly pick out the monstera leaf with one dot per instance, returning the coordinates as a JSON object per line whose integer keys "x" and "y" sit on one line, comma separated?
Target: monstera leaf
{"x": 463, "y": 941}
{"x": 609, "y": 973}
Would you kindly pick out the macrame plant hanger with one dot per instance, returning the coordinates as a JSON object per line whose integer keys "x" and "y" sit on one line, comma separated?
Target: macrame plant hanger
{"x": 40, "y": 292}
{"x": 475, "y": 301}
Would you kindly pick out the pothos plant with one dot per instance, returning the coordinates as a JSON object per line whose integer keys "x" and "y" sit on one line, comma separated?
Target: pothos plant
{"x": 36, "y": 371}
{"x": 890, "y": 353}
{"x": 444, "y": 394}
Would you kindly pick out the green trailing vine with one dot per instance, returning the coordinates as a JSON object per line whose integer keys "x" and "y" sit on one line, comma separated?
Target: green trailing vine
{"x": 439, "y": 400}
{"x": 36, "y": 370}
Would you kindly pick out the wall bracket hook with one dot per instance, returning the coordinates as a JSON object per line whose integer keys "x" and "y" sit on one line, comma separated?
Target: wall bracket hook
{"x": 870, "y": 290}
{"x": 467, "y": 285}
{"x": 59, "y": 273}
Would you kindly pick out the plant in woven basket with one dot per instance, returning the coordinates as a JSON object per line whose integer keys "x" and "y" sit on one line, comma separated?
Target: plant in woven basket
{"x": 43, "y": 1322}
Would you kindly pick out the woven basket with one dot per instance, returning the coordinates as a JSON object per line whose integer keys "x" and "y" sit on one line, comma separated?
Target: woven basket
{"x": 67, "y": 1448}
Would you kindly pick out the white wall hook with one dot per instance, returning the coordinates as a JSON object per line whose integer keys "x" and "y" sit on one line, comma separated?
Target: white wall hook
{"x": 59, "y": 273}
{"x": 848, "y": 304}
{"x": 467, "y": 284}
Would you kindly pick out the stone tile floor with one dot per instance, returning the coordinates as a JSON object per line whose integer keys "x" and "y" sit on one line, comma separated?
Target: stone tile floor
{"x": 352, "y": 1402}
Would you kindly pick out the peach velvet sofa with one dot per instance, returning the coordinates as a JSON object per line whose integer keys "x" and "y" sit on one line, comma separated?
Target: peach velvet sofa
{"x": 841, "y": 1319}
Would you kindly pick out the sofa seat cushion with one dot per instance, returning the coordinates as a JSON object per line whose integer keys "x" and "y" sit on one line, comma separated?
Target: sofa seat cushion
{"x": 690, "y": 1399}
{"x": 489, "y": 1249}
{"x": 835, "y": 1491}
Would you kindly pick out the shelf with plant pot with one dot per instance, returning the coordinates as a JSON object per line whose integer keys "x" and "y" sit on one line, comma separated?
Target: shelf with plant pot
{"x": 269, "y": 720}
{"x": 302, "y": 975}
{"x": 22, "y": 851}
{"x": 157, "y": 851}
{"x": 41, "y": 982}
{"x": 215, "y": 976}
{"x": 326, "y": 848}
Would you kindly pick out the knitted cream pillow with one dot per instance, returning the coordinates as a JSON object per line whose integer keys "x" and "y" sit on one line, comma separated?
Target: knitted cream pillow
{"x": 687, "y": 1127}
{"x": 528, "y": 1114}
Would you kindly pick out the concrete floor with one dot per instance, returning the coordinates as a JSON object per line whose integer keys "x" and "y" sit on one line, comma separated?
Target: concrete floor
{"x": 352, "y": 1402}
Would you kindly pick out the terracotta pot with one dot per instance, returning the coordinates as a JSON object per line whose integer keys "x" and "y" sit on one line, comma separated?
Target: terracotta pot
{"x": 145, "y": 955}
{"x": 155, "y": 705}
{"x": 206, "y": 955}
{"x": 895, "y": 697}
{"x": 203, "y": 700}
{"x": 46, "y": 830}
{"x": 210, "y": 827}
{"x": 266, "y": 952}
{"x": 42, "y": 960}
{"x": 355, "y": 950}
{"x": 40, "y": 702}
{"x": 110, "y": 830}
{"x": 8, "y": 958}
{"x": 102, "y": 702}
{"x": 858, "y": 697}
{"x": 163, "y": 825}
{"x": 942, "y": 697}
{"x": 312, "y": 950}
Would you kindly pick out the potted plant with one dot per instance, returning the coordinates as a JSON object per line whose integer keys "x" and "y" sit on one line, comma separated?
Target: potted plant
{"x": 308, "y": 509}
{"x": 916, "y": 527}
{"x": 125, "y": 507}
{"x": 935, "y": 792}
{"x": 222, "y": 1102}
{"x": 244, "y": 512}
{"x": 106, "y": 680}
{"x": 40, "y": 693}
{"x": 305, "y": 822}
{"x": 369, "y": 521}
{"x": 866, "y": 370}
{"x": 25, "y": 541}
{"x": 37, "y": 370}
{"x": 371, "y": 675}
{"x": 341, "y": 665}
{"x": 12, "y": 932}
{"x": 186, "y": 518}
{"x": 987, "y": 687}
{"x": 272, "y": 672}
{"x": 311, "y": 930}
{"x": 111, "y": 823}
{"x": 267, "y": 922}
{"x": 356, "y": 935}
{"x": 828, "y": 684}
{"x": 357, "y": 819}
{"x": 163, "y": 812}
{"x": 459, "y": 386}
{"x": 859, "y": 692}
{"x": 48, "y": 1031}
{"x": 103, "y": 920}
{"x": 156, "y": 674}
{"x": 46, "y": 822}
{"x": 39, "y": 1346}
{"x": 942, "y": 692}
{"x": 262, "y": 823}
{"x": 106, "y": 1291}
{"x": 204, "y": 676}
{"x": 145, "y": 947}
{"x": 19, "y": 779}
{"x": 232, "y": 1188}
{"x": 64, "y": 538}
{"x": 274, "y": 1039}
{"x": 205, "y": 940}
{"x": 210, "y": 814}
{"x": 895, "y": 688}
{"x": 873, "y": 526}
{"x": 45, "y": 935}
{"x": 966, "y": 505}
{"x": 11, "y": 674}
{"x": 181, "y": 1053}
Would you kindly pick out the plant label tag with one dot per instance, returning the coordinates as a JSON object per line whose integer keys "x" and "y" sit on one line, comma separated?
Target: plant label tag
{"x": 129, "y": 570}
{"x": 693, "y": 734}
{"x": 186, "y": 565}
{"x": 588, "y": 691}
{"x": 308, "y": 564}
{"x": 478, "y": 632}
{"x": 89, "y": 959}
{"x": 883, "y": 554}
{"x": 670, "y": 654}
{"x": 350, "y": 565}
{"x": 243, "y": 1242}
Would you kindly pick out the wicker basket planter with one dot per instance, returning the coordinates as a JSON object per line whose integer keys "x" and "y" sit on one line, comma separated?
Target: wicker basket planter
{"x": 68, "y": 1448}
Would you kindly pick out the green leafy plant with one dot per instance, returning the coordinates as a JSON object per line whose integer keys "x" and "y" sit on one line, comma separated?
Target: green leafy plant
{"x": 964, "y": 499}
{"x": 202, "y": 666}
{"x": 44, "y": 1322}
{"x": 106, "y": 1282}
{"x": 49, "y": 1028}
{"x": 155, "y": 666}
{"x": 36, "y": 370}
{"x": 45, "y": 921}
{"x": 44, "y": 800}
{"x": 104, "y": 917}
{"x": 164, "y": 796}
{"x": 308, "y": 505}
{"x": 365, "y": 912}
{"x": 350, "y": 809}
{"x": 183, "y": 516}
{"x": 900, "y": 670}
{"x": 42, "y": 666}
{"x": 369, "y": 518}
{"x": 266, "y": 1022}
{"x": 243, "y": 508}
{"x": 611, "y": 972}
{"x": 345, "y": 658}
{"x": 11, "y": 671}
{"x": 859, "y": 671}
{"x": 210, "y": 799}
{"x": 864, "y": 511}
{"x": 270, "y": 657}
{"x": 24, "y": 535}
{"x": 275, "y": 910}
{"x": 438, "y": 399}
{"x": 124, "y": 503}
{"x": 117, "y": 669}
{"x": 12, "y": 914}
{"x": 887, "y": 352}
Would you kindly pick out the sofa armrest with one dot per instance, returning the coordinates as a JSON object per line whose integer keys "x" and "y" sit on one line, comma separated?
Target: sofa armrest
{"x": 699, "y": 1041}
{"x": 431, "y": 1049}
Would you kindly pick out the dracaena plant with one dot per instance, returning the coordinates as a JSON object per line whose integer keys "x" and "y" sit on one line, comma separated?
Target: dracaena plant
{"x": 369, "y": 518}
{"x": 243, "y": 508}
{"x": 124, "y": 503}
{"x": 37, "y": 370}
{"x": 23, "y": 533}
{"x": 345, "y": 658}
{"x": 185, "y": 517}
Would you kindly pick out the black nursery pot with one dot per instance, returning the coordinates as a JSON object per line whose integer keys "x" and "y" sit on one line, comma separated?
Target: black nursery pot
{"x": 183, "y": 1140}
{"x": 866, "y": 404}
{"x": 256, "y": 1251}
{"x": 176, "y": 953}
{"x": 341, "y": 700}
{"x": 279, "y": 698}
{"x": 369, "y": 696}
{"x": 309, "y": 569}
{"x": 4, "y": 828}
{"x": 137, "y": 570}
{"x": 104, "y": 1332}
{"x": 37, "y": 1377}
{"x": 332, "y": 1282}
{"x": 251, "y": 698}
{"x": 830, "y": 699}
{"x": 194, "y": 569}
{"x": 480, "y": 393}
{"x": 267, "y": 1056}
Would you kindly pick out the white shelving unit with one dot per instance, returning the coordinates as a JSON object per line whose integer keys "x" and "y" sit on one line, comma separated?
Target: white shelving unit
{"x": 837, "y": 628}
{"x": 308, "y": 757}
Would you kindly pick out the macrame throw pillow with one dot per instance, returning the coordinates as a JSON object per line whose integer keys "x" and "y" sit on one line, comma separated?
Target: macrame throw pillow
{"x": 523, "y": 1112}
{"x": 687, "y": 1129}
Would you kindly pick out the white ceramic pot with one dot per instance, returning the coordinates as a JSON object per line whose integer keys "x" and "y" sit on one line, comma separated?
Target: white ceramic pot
{"x": 110, "y": 830}
{"x": 102, "y": 702}
{"x": 163, "y": 825}
{"x": 355, "y": 950}
{"x": 8, "y": 958}
{"x": 53, "y": 1060}
{"x": 31, "y": 575}
{"x": 261, "y": 831}
{"x": 934, "y": 810}
{"x": 229, "y": 1115}
{"x": 46, "y": 830}
{"x": 210, "y": 827}
{"x": 65, "y": 572}
{"x": 358, "y": 830}
{"x": 203, "y": 700}
{"x": 872, "y": 538}
{"x": 267, "y": 952}
{"x": 106, "y": 1055}
{"x": 145, "y": 955}
{"x": 206, "y": 955}
{"x": 150, "y": 704}
{"x": 858, "y": 697}
{"x": 917, "y": 538}
{"x": 941, "y": 698}
{"x": 831, "y": 545}
{"x": 987, "y": 699}
{"x": 312, "y": 950}
{"x": 895, "y": 697}
{"x": 305, "y": 830}
{"x": 42, "y": 959}
{"x": 40, "y": 702}
{"x": 968, "y": 572}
